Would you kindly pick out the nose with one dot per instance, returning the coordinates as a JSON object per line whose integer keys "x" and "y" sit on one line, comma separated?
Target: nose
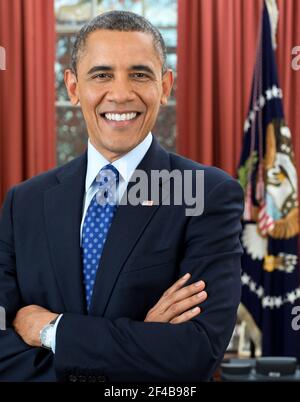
{"x": 121, "y": 91}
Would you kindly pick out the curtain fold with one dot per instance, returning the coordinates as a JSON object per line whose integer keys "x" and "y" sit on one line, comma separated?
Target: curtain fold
{"x": 216, "y": 54}
{"x": 27, "y": 90}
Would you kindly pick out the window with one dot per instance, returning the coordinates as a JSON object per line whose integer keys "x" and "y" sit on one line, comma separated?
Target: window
{"x": 70, "y": 16}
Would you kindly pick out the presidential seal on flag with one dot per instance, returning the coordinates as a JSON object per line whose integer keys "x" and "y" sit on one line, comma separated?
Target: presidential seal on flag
{"x": 267, "y": 173}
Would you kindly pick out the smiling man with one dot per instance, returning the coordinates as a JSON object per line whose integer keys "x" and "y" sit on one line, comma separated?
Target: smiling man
{"x": 101, "y": 291}
{"x": 120, "y": 83}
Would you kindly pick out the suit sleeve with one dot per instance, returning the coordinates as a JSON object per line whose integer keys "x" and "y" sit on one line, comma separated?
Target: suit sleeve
{"x": 127, "y": 350}
{"x": 18, "y": 361}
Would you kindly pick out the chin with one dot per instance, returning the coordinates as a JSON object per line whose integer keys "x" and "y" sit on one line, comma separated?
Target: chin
{"x": 120, "y": 146}
{"x": 121, "y": 150}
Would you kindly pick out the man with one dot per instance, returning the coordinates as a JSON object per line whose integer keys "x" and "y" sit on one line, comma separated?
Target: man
{"x": 113, "y": 291}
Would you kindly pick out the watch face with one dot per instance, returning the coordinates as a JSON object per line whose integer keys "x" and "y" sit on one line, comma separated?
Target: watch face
{"x": 46, "y": 336}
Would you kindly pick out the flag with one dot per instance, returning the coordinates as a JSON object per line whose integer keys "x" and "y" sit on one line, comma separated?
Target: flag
{"x": 267, "y": 173}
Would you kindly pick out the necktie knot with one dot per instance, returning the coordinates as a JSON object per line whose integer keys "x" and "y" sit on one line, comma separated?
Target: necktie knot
{"x": 107, "y": 181}
{"x": 107, "y": 176}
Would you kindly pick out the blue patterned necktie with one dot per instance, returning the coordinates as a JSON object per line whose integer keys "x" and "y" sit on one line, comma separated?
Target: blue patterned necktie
{"x": 96, "y": 225}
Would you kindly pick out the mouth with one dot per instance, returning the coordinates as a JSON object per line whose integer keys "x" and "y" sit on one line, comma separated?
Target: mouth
{"x": 121, "y": 119}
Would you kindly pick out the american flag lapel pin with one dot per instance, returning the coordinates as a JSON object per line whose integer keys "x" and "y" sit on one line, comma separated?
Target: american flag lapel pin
{"x": 147, "y": 203}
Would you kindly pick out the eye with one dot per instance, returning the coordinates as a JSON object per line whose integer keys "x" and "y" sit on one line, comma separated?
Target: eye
{"x": 141, "y": 76}
{"x": 102, "y": 76}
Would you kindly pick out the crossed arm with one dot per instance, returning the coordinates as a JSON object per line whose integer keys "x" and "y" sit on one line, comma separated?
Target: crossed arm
{"x": 177, "y": 305}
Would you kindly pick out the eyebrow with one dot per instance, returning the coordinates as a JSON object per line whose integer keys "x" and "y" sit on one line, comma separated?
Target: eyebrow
{"x": 99, "y": 68}
{"x": 139, "y": 67}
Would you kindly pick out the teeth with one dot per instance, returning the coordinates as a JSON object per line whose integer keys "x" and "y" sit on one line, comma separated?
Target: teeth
{"x": 120, "y": 117}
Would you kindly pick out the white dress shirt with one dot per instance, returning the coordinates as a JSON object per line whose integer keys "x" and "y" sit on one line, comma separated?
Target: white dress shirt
{"x": 126, "y": 165}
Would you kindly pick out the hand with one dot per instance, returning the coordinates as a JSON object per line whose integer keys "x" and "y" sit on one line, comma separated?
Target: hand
{"x": 175, "y": 305}
{"x": 29, "y": 321}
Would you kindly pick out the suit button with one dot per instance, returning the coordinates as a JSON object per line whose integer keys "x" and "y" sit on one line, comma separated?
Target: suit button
{"x": 73, "y": 378}
{"x": 101, "y": 378}
{"x": 82, "y": 378}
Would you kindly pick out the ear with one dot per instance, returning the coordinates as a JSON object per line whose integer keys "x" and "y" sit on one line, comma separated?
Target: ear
{"x": 167, "y": 84}
{"x": 72, "y": 86}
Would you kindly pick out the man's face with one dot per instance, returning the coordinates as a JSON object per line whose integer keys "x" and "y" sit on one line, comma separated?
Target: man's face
{"x": 120, "y": 88}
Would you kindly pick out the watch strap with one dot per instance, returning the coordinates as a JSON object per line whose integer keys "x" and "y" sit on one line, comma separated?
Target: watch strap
{"x": 54, "y": 321}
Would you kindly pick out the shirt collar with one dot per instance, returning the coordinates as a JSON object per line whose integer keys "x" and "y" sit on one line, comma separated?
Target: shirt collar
{"x": 126, "y": 165}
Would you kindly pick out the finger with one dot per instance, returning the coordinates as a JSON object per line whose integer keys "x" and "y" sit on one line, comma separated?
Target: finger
{"x": 178, "y": 308}
{"x": 178, "y": 284}
{"x": 186, "y": 316}
{"x": 180, "y": 294}
{"x": 175, "y": 294}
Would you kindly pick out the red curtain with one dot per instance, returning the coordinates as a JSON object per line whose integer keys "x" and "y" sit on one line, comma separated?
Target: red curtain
{"x": 216, "y": 53}
{"x": 27, "y": 90}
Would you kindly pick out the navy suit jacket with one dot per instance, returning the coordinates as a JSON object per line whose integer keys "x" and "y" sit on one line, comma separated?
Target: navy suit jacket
{"x": 147, "y": 249}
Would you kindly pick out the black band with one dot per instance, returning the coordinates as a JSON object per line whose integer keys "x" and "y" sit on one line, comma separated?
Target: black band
{"x": 54, "y": 321}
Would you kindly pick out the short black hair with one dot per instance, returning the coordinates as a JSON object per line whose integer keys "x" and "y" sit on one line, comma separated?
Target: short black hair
{"x": 119, "y": 21}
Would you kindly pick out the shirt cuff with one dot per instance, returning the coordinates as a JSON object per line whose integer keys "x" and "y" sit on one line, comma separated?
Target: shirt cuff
{"x": 53, "y": 339}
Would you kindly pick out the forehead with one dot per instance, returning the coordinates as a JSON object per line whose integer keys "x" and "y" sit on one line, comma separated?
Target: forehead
{"x": 119, "y": 47}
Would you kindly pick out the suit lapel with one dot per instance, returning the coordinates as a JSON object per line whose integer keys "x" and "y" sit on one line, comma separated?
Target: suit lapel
{"x": 63, "y": 213}
{"x": 126, "y": 229}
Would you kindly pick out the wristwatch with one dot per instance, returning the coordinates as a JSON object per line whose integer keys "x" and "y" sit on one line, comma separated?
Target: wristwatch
{"x": 46, "y": 334}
